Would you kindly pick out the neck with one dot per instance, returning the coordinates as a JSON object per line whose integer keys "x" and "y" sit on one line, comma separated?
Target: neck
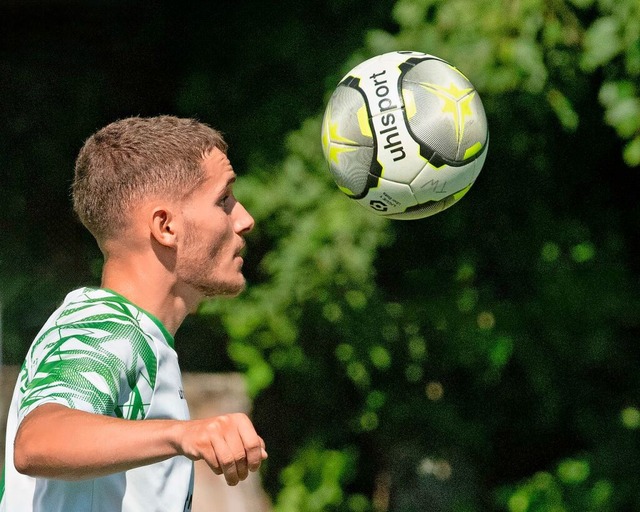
{"x": 152, "y": 287}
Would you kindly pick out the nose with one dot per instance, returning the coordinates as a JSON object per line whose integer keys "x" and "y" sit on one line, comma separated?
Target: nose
{"x": 243, "y": 222}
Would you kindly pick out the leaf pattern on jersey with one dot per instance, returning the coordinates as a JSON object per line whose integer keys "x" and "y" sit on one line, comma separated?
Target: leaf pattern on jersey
{"x": 94, "y": 356}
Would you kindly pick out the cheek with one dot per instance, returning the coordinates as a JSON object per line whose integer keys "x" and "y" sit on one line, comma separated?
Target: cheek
{"x": 220, "y": 237}
{"x": 209, "y": 235}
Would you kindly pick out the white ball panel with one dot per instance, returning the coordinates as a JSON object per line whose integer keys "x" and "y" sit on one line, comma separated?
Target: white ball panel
{"x": 388, "y": 197}
{"x": 435, "y": 184}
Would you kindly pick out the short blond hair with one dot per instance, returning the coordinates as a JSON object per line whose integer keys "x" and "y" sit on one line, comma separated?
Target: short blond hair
{"x": 135, "y": 158}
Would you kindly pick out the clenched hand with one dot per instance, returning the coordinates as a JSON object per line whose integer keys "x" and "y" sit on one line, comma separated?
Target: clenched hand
{"x": 229, "y": 444}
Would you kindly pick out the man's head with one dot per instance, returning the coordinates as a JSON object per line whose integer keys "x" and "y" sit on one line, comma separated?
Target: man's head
{"x": 160, "y": 190}
{"x": 136, "y": 158}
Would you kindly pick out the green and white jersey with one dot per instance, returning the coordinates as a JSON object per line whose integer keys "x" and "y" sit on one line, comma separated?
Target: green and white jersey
{"x": 101, "y": 354}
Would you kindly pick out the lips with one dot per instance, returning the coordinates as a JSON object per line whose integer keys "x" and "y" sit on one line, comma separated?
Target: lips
{"x": 240, "y": 253}
{"x": 242, "y": 250}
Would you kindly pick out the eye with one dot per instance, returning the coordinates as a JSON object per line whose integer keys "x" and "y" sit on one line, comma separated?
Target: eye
{"x": 226, "y": 201}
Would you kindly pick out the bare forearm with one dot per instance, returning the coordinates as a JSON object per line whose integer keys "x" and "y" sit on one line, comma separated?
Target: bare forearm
{"x": 54, "y": 441}
{"x": 57, "y": 442}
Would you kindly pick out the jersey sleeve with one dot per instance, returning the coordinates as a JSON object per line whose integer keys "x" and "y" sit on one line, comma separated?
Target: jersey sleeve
{"x": 103, "y": 364}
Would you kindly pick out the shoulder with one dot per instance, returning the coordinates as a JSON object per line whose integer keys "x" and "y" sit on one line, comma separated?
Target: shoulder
{"x": 90, "y": 354}
{"x": 95, "y": 323}
{"x": 96, "y": 306}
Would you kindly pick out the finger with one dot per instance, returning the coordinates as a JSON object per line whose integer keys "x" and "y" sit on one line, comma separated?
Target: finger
{"x": 263, "y": 449}
{"x": 225, "y": 459}
{"x": 209, "y": 456}
{"x": 235, "y": 444}
{"x": 253, "y": 444}
{"x": 212, "y": 462}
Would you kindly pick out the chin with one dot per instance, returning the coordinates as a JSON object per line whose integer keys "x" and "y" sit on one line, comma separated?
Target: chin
{"x": 223, "y": 289}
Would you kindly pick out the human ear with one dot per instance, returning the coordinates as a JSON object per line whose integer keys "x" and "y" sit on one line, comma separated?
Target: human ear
{"x": 162, "y": 225}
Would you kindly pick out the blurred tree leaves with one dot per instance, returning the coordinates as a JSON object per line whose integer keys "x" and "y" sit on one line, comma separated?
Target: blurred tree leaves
{"x": 534, "y": 46}
{"x": 494, "y": 339}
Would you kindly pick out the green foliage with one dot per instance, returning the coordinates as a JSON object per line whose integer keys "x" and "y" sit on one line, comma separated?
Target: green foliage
{"x": 487, "y": 337}
{"x": 314, "y": 483}
{"x": 535, "y": 46}
{"x": 568, "y": 488}
{"x": 323, "y": 254}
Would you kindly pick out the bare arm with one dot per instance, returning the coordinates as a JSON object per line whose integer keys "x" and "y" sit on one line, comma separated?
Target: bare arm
{"x": 54, "y": 441}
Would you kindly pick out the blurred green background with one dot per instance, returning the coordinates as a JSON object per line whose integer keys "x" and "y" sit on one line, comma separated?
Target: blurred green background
{"x": 485, "y": 359}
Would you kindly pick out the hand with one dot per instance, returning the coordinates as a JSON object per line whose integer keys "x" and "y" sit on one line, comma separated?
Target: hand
{"x": 229, "y": 444}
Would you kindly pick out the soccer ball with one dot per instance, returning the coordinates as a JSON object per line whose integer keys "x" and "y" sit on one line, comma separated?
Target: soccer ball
{"x": 405, "y": 135}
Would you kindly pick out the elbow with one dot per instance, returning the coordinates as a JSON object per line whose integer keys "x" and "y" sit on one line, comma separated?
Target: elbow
{"x": 22, "y": 459}
{"x": 35, "y": 449}
{"x": 25, "y": 451}
{"x": 23, "y": 456}
{"x": 28, "y": 461}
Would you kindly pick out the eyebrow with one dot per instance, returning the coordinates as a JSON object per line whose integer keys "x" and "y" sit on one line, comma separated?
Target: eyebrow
{"x": 230, "y": 181}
